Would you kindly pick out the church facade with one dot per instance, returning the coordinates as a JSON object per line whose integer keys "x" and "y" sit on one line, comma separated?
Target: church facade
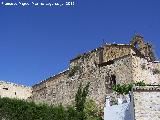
{"x": 103, "y": 67}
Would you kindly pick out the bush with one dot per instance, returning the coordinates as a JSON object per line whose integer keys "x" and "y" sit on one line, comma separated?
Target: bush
{"x": 73, "y": 70}
{"x": 140, "y": 83}
{"x": 122, "y": 89}
{"x": 125, "y": 88}
{"x": 91, "y": 110}
{"x": 13, "y": 109}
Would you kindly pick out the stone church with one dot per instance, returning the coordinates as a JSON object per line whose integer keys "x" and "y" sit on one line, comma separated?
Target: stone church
{"x": 103, "y": 67}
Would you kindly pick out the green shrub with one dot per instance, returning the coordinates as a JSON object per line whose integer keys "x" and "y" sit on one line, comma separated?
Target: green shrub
{"x": 92, "y": 112}
{"x": 86, "y": 108}
{"x": 73, "y": 70}
{"x": 125, "y": 88}
{"x": 80, "y": 100}
{"x": 122, "y": 89}
{"x": 13, "y": 109}
{"x": 140, "y": 83}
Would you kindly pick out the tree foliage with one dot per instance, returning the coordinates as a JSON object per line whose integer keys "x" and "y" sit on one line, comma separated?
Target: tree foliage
{"x": 80, "y": 97}
{"x": 86, "y": 108}
{"x": 13, "y": 109}
{"x": 122, "y": 89}
{"x": 125, "y": 88}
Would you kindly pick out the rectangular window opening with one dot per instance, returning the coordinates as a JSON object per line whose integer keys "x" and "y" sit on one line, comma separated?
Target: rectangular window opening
{"x": 5, "y": 88}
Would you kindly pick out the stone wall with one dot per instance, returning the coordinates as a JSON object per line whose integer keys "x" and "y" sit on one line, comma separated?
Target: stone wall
{"x": 149, "y": 72}
{"x": 147, "y": 103}
{"x": 113, "y": 51}
{"x": 104, "y": 54}
{"x": 122, "y": 69}
{"x": 144, "y": 48}
{"x": 61, "y": 88}
{"x": 12, "y": 90}
{"x": 85, "y": 58}
{"x": 102, "y": 67}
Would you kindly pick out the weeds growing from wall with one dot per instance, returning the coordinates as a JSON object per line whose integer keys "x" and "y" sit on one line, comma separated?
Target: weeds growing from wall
{"x": 73, "y": 70}
{"x": 140, "y": 83}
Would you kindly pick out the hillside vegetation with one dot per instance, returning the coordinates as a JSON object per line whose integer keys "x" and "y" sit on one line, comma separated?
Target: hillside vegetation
{"x": 13, "y": 109}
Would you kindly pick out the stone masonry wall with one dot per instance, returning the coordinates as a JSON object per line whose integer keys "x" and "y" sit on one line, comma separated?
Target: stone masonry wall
{"x": 149, "y": 72}
{"x": 62, "y": 87}
{"x": 104, "y": 54}
{"x": 114, "y": 51}
{"x": 147, "y": 103}
{"x": 122, "y": 69}
{"x": 97, "y": 67}
{"x": 12, "y": 90}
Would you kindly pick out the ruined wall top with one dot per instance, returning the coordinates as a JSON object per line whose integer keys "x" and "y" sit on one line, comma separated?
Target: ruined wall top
{"x": 104, "y": 55}
{"x": 109, "y": 52}
{"x": 137, "y": 40}
{"x": 145, "y": 48}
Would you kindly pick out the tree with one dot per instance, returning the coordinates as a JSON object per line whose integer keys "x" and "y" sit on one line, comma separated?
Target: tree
{"x": 80, "y": 100}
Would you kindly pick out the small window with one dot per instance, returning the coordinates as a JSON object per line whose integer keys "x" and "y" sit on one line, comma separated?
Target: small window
{"x": 54, "y": 95}
{"x": 5, "y": 88}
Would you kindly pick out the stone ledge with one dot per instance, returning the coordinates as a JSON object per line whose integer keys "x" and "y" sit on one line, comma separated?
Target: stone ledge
{"x": 147, "y": 88}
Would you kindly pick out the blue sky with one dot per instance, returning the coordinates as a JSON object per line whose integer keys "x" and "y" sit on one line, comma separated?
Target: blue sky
{"x": 38, "y": 42}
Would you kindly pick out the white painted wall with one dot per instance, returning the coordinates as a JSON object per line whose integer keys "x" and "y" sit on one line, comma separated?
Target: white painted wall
{"x": 122, "y": 111}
